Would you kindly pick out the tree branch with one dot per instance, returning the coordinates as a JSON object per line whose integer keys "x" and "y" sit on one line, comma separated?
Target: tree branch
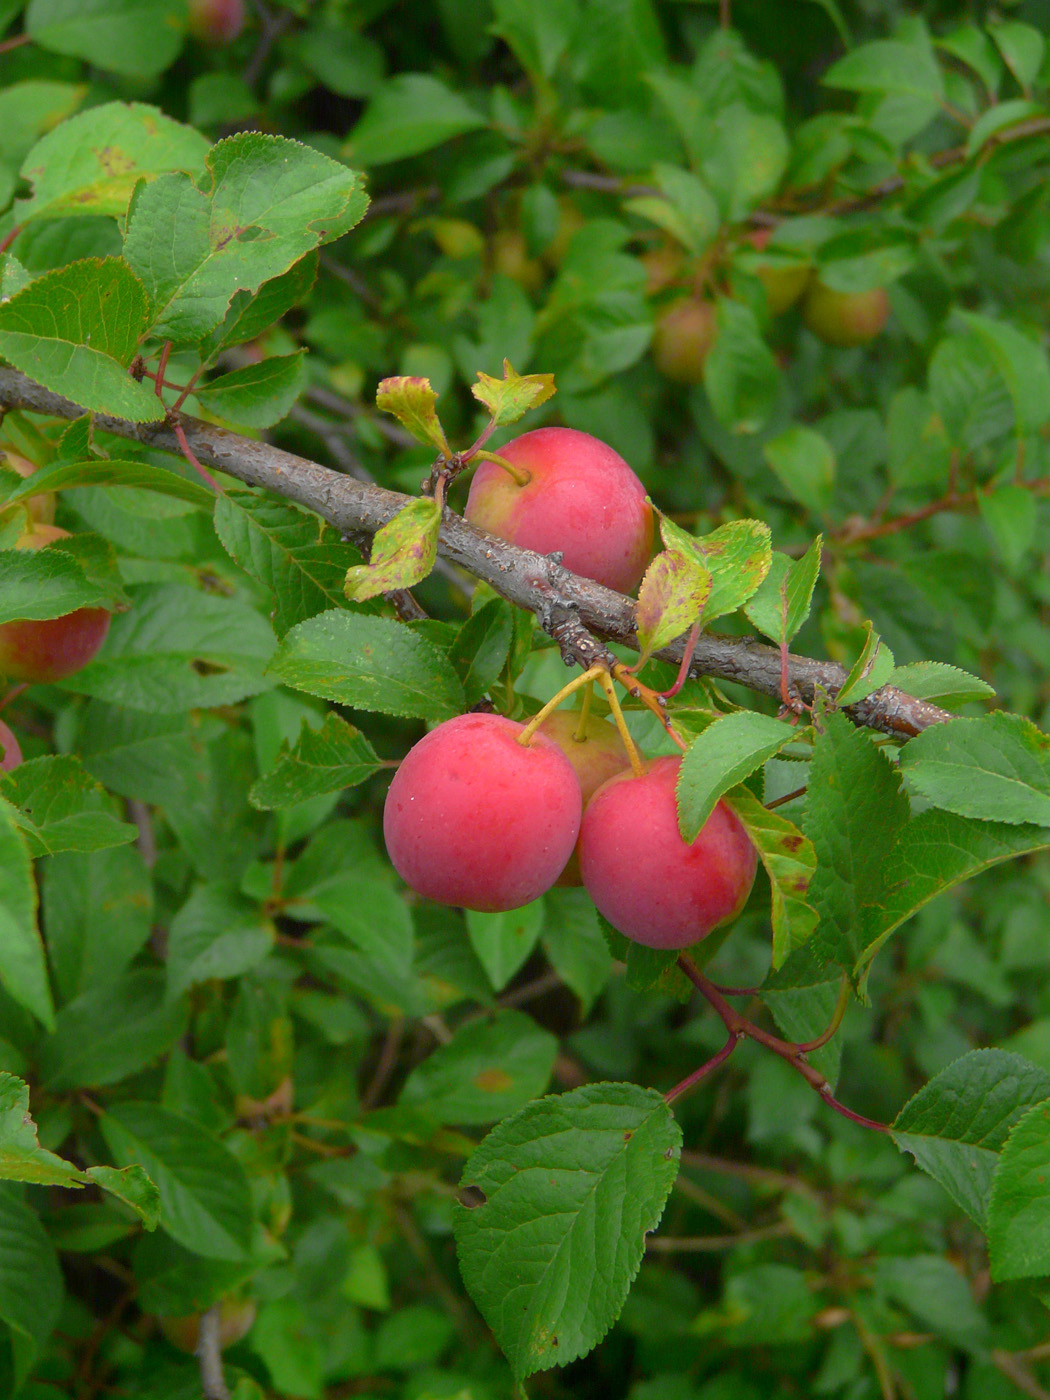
{"x": 532, "y": 581}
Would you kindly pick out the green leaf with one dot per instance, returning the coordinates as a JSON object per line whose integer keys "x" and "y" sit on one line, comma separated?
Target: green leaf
{"x": 84, "y": 950}
{"x": 132, "y": 1186}
{"x": 1000, "y": 117}
{"x": 538, "y": 35}
{"x": 256, "y": 396}
{"x": 1021, "y": 361}
{"x": 489, "y": 1069}
{"x": 782, "y": 602}
{"x": 940, "y": 683}
{"x": 251, "y": 313}
{"x": 204, "y": 1194}
{"x": 871, "y": 670}
{"x": 23, "y": 973}
{"x": 671, "y": 599}
{"x": 482, "y": 646}
{"x": 134, "y": 37}
{"x": 64, "y": 475}
{"x": 996, "y": 768}
{"x": 75, "y": 330}
{"x": 111, "y": 1031}
{"x": 855, "y": 813}
{"x": 21, "y": 1156}
{"x": 411, "y": 400}
{"x": 374, "y": 917}
{"x": 179, "y": 649}
{"x": 1022, "y": 48}
{"x": 62, "y": 808}
{"x": 370, "y": 663}
{"x": 1019, "y": 1206}
{"x": 503, "y": 941}
{"x": 91, "y": 163}
{"x": 411, "y": 113}
{"x": 31, "y": 1286}
{"x": 935, "y": 1292}
{"x": 805, "y": 463}
{"x": 324, "y": 760}
{"x": 790, "y": 862}
{"x": 403, "y": 552}
{"x": 217, "y": 933}
{"x": 1011, "y": 515}
{"x": 264, "y": 203}
{"x": 63, "y": 576}
{"x": 956, "y": 1125}
{"x": 30, "y": 108}
{"x": 888, "y": 65}
{"x": 737, "y": 556}
{"x": 551, "y": 1283}
{"x": 574, "y": 944}
{"x": 691, "y": 203}
{"x": 740, "y": 373}
{"x": 727, "y": 752}
{"x": 509, "y": 398}
{"x": 292, "y": 552}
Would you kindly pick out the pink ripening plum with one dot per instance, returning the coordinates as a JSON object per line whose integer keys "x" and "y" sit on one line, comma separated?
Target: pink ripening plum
{"x": 10, "y": 753}
{"x": 650, "y": 884}
{"x": 596, "y": 753}
{"x": 50, "y": 649}
{"x": 216, "y": 21}
{"x": 575, "y": 494}
{"x": 478, "y": 819}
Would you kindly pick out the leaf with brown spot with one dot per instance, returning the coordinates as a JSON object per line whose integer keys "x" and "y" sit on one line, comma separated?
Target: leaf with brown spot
{"x": 411, "y": 400}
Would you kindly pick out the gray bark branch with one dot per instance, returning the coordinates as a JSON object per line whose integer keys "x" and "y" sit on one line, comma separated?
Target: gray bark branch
{"x": 529, "y": 580}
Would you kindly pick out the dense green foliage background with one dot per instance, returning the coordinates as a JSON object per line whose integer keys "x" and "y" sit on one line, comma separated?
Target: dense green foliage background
{"x": 237, "y": 996}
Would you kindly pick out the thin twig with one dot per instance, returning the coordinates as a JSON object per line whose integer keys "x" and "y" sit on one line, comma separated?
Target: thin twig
{"x": 711, "y": 1244}
{"x": 385, "y": 1064}
{"x": 209, "y": 1355}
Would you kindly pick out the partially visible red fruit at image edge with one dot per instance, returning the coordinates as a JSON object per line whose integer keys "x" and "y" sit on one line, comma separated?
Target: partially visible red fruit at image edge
{"x": 581, "y": 498}
{"x": 476, "y": 819}
{"x": 596, "y": 756}
{"x": 216, "y": 21}
{"x": 49, "y": 649}
{"x": 10, "y": 753}
{"x": 649, "y": 883}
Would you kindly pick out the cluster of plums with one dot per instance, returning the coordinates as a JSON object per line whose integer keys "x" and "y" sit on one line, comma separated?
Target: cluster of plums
{"x": 478, "y": 818}
{"x": 485, "y": 814}
{"x": 43, "y": 649}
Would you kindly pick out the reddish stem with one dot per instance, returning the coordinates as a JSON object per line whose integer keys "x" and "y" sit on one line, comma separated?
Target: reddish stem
{"x": 15, "y": 42}
{"x": 705, "y": 1069}
{"x": 10, "y": 237}
{"x": 793, "y": 1053}
{"x": 687, "y": 661}
{"x": 187, "y": 452}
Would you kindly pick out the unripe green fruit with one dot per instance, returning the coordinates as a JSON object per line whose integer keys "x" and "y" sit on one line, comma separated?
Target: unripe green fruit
{"x": 236, "y": 1316}
{"x": 510, "y": 256}
{"x": 596, "y": 755}
{"x": 845, "y": 318}
{"x": 50, "y": 649}
{"x": 784, "y": 285}
{"x": 651, "y": 885}
{"x": 683, "y": 335}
